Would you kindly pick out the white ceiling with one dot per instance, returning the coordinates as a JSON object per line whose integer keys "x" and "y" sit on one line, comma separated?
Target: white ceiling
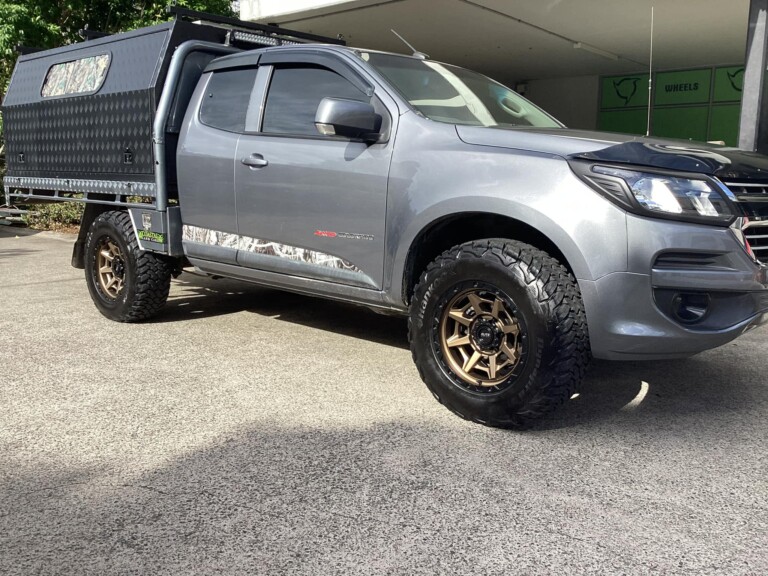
{"x": 515, "y": 40}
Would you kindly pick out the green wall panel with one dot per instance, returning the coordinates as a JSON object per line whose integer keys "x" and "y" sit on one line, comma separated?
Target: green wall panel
{"x": 701, "y": 104}
{"x": 688, "y": 123}
{"x": 624, "y": 91}
{"x": 728, "y": 84}
{"x": 631, "y": 121}
{"x": 688, "y": 87}
{"x": 724, "y": 123}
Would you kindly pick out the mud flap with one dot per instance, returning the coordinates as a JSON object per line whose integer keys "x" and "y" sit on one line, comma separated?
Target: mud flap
{"x": 158, "y": 231}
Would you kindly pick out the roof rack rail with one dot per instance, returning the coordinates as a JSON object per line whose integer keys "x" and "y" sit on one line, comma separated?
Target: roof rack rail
{"x": 22, "y": 50}
{"x": 275, "y": 32}
{"x": 88, "y": 34}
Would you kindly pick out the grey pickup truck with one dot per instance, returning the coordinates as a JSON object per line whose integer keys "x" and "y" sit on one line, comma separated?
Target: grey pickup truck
{"x": 517, "y": 248}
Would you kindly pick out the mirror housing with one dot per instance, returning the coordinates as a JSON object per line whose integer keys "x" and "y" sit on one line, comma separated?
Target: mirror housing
{"x": 350, "y": 118}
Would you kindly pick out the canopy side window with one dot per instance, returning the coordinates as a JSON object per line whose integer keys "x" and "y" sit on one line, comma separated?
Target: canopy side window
{"x": 82, "y": 76}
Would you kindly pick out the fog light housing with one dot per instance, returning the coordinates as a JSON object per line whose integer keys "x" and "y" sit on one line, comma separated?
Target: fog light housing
{"x": 690, "y": 307}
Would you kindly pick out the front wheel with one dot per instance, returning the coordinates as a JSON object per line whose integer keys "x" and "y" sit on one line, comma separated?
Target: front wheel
{"x": 498, "y": 332}
{"x": 125, "y": 283}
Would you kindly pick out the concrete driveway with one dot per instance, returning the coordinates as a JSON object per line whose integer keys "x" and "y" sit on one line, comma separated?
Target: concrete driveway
{"x": 249, "y": 431}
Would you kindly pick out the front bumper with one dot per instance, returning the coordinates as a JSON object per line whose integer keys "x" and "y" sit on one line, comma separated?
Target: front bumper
{"x": 687, "y": 288}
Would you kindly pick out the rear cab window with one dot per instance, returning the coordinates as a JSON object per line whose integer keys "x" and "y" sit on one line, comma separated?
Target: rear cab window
{"x": 226, "y": 99}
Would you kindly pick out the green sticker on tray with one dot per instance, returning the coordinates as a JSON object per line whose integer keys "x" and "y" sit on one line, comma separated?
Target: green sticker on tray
{"x": 149, "y": 236}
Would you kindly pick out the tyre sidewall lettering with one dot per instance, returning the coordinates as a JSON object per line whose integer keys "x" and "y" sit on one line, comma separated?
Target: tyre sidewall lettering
{"x": 482, "y": 273}
{"x": 536, "y": 286}
{"x": 146, "y": 279}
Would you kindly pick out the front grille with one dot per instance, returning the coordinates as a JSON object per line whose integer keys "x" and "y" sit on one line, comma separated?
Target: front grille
{"x": 749, "y": 191}
{"x": 752, "y": 198}
{"x": 757, "y": 236}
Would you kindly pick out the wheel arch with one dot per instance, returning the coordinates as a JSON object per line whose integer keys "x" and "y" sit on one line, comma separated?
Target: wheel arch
{"x": 126, "y": 283}
{"x": 90, "y": 214}
{"x": 532, "y": 327}
{"x": 450, "y": 230}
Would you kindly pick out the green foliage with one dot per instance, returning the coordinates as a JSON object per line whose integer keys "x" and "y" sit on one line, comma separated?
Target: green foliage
{"x": 57, "y": 216}
{"x": 52, "y": 23}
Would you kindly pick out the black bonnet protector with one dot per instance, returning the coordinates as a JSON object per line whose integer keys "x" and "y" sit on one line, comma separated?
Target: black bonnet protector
{"x": 729, "y": 164}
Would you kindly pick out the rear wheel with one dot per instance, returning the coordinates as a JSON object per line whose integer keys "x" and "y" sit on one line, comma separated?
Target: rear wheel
{"x": 498, "y": 332}
{"x": 125, "y": 283}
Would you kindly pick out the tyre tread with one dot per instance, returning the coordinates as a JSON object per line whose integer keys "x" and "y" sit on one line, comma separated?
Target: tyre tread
{"x": 556, "y": 290}
{"x": 153, "y": 272}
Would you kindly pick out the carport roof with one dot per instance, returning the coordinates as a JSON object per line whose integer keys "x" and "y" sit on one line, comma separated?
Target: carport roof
{"x": 526, "y": 39}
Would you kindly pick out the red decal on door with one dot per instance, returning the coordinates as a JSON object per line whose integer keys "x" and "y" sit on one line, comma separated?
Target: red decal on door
{"x": 326, "y": 233}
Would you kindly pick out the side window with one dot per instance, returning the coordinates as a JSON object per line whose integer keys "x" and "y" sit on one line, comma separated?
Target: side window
{"x": 226, "y": 98}
{"x": 295, "y": 93}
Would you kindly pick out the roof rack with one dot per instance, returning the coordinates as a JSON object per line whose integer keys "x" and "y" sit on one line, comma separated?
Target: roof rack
{"x": 88, "y": 34}
{"x": 274, "y": 35}
{"x": 22, "y": 50}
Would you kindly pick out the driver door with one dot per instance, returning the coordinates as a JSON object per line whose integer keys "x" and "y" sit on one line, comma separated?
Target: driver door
{"x": 310, "y": 205}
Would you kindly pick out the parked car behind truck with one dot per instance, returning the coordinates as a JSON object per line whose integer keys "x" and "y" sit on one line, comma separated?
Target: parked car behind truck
{"x": 518, "y": 248}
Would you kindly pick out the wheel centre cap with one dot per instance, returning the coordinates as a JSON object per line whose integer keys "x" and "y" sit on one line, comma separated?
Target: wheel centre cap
{"x": 118, "y": 267}
{"x": 485, "y": 334}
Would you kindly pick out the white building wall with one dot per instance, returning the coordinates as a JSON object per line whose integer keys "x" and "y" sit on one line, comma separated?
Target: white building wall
{"x": 573, "y": 101}
{"x": 260, "y": 9}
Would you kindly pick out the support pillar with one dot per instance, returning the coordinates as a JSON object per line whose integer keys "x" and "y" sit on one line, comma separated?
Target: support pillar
{"x": 753, "y": 125}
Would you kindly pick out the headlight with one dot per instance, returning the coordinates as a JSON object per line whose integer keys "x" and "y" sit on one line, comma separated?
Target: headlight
{"x": 659, "y": 194}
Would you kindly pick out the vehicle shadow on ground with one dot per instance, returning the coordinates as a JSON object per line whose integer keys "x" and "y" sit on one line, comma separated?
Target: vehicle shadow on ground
{"x": 10, "y": 233}
{"x": 624, "y": 393}
{"x": 196, "y": 297}
{"x": 649, "y": 394}
{"x": 10, "y": 253}
{"x": 15, "y": 229}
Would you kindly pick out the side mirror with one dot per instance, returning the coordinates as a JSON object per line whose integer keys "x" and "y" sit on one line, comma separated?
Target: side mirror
{"x": 350, "y": 118}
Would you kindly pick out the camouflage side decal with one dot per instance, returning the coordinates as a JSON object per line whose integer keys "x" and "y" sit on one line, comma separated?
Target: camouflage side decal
{"x": 210, "y": 237}
{"x": 265, "y": 247}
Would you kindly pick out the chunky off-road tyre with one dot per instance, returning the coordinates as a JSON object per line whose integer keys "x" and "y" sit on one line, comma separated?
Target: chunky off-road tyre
{"x": 126, "y": 284}
{"x": 498, "y": 332}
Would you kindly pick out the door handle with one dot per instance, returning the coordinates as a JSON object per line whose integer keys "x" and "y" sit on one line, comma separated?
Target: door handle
{"x": 254, "y": 161}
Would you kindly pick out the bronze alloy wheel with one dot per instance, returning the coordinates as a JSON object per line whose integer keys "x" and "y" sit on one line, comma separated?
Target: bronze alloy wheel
{"x": 498, "y": 332}
{"x": 126, "y": 283}
{"x": 481, "y": 338}
{"x": 110, "y": 264}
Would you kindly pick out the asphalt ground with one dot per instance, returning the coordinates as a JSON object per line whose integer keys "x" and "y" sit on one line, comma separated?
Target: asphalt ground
{"x": 249, "y": 431}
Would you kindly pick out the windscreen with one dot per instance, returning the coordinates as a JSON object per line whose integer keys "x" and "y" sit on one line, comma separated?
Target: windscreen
{"x": 455, "y": 95}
